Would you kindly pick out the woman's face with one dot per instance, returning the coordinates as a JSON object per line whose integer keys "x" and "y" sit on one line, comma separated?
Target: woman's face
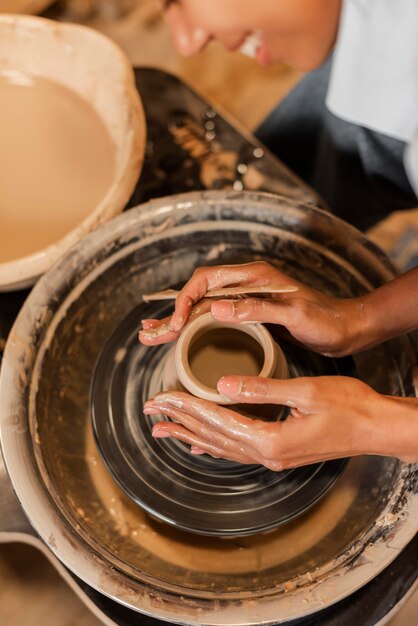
{"x": 298, "y": 32}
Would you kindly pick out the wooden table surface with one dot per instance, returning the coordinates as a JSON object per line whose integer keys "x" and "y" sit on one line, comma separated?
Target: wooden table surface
{"x": 33, "y": 594}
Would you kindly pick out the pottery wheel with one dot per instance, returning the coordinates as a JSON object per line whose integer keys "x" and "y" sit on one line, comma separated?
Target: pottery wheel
{"x": 86, "y": 306}
{"x": 196, "y": 493}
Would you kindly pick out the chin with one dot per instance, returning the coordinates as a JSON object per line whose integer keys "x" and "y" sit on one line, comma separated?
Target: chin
{"x": 310, "y": 59}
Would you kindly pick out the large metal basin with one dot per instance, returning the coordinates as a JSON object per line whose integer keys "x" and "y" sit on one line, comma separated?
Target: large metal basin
{"x": 92, "y": 527}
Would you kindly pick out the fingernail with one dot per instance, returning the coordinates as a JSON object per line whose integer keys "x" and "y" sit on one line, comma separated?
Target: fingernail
{"x": 160, "y": 434}
{"x": 149, "y": 404}
{"x": 230, "y": 385}
{"x": 151, "y": 410}
{"x": 223, "y": 309}
{"x": 153, "y": 333}
{"x": 177, "y": 323}
{"x": 147, "y": 324}
{"x": 196, "y": 450}
{"x": 165, "y": 399}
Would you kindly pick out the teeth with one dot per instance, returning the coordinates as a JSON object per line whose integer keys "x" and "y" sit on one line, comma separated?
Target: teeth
{"x": 251, "y": 45}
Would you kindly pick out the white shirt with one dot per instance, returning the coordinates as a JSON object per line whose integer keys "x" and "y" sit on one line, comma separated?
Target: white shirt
{"x": 374, "y": 76}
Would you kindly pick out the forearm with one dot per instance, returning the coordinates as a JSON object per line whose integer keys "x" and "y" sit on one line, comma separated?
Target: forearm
{"x": 386, "y": 312}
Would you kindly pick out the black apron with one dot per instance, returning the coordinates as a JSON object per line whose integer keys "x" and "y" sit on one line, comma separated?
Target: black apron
{"x": 358, "y": 172}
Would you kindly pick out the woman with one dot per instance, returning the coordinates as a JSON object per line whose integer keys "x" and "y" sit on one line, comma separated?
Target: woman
{"x": 349, "y": 128}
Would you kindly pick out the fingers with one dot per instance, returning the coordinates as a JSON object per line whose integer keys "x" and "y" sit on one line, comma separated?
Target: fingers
{"x": 209, "y": 278}
{"x": 206, "y": 418}
{"x": 313, "y": 431}
{"x": 155, "y": 332}
{"x": 205, "y": 279}
{"x": 148, "y": 324}
{"x": 196, "y": 450}
{"x": 198, "y": 432}
{"x": 198, "y": 446}
{"x": 251, "y": 310}
{"x": 294, "y": 392}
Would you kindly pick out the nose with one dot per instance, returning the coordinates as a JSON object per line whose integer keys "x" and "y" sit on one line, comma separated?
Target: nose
{"x": 187, "y": 38}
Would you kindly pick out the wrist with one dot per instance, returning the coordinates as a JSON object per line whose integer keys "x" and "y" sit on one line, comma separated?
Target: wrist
{"x": 364, "y": 324}
{"x": 394, "y": 431}
{"x": 358, "y": 326}
{"x": 390, "y": 310}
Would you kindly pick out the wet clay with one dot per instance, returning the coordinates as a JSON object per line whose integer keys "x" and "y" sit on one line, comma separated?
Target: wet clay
{"x": 224, "y": 351}
{"x": 57, "y": 162}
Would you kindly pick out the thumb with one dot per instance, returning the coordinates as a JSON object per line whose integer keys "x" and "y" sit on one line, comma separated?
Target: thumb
{"x": 258, "y": 390}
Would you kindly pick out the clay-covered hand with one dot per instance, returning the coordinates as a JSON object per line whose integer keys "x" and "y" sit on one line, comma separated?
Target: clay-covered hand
{"x": 330, "y": 417}
{"x": 155, "y": 332}
{"x": 322, "y": 323}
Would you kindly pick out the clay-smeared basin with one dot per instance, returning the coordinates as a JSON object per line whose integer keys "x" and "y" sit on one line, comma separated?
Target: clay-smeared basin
{"x": 90, "y": 66}
{"x": 79, "y": 511}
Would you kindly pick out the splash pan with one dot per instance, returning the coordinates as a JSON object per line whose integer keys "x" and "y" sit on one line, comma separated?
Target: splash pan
{"x": 76, "y": 506}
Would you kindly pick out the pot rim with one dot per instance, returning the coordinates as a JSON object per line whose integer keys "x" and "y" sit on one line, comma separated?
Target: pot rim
{"x": 205, "y": 323}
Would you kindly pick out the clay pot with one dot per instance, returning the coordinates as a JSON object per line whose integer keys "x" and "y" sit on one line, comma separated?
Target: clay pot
{"x": 208, "y": 349}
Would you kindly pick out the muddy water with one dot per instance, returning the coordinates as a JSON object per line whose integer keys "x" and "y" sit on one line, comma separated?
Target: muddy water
{"x": 209, "y": 554}
{"x": 57, "y": 162}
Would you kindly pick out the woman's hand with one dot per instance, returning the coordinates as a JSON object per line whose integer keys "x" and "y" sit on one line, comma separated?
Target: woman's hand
{"x": 322, "y": 323}
{"x": 330, "y": 417}
{"x": 155, "y": 332}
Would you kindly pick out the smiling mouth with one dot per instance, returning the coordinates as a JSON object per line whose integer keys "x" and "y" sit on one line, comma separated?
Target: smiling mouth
{"x": 251, "y": 44}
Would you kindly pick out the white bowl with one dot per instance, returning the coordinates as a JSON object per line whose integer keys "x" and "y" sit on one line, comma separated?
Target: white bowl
{"x": 90, "y": 64}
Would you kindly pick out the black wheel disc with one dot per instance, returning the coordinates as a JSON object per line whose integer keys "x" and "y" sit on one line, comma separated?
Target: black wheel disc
{"x": 194, "y": 492}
